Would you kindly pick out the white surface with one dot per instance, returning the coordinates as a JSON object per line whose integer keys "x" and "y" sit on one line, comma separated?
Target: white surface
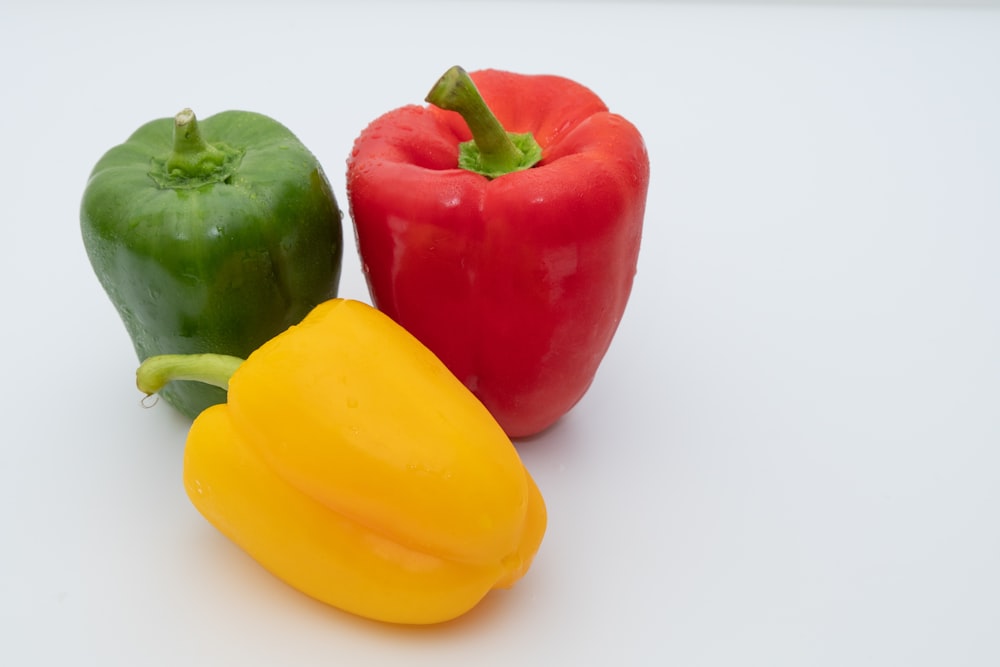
{"x": 791, "y": 455}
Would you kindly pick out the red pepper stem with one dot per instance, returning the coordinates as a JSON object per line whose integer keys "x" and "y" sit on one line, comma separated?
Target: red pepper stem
{"x": 214, "y": 369}
{"x": 496, "y": 151}
{"x": 192, "y": 156}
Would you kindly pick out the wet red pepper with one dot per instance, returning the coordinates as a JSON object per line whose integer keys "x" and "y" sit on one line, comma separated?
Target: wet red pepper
{"x": 517, "y": 277}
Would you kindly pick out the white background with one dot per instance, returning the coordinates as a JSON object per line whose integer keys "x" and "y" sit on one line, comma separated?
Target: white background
{"x": 791, "y": 454}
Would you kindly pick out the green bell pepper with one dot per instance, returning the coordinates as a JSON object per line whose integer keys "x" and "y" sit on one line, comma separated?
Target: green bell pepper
{"x": 213, "y": 244}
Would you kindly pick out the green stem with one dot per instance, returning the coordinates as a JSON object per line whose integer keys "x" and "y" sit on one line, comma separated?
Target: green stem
{"x": 493, "y": 151}
{"x": 192, "y": 156}
{"x": 214, "y": 369}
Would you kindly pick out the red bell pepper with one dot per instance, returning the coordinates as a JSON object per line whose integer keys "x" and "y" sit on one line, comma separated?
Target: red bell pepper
{"x": 516, "y": 277}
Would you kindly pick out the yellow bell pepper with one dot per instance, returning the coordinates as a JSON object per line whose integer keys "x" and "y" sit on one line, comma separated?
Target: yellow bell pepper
{"x": 350, "y": 463}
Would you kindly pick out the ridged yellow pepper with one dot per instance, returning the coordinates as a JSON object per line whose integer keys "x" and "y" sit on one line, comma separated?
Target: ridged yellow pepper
{"x": 350, "y": 463}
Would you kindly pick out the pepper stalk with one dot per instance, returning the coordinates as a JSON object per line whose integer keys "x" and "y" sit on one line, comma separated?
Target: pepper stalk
{"x": 493, "y": 151}
{"x": 215, "y": 369}
{"x": 193, "y": 161}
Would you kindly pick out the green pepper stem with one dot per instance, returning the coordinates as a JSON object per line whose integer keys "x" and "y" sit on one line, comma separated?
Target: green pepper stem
{"x": 192, "y": 156}
{"x": 214, "y": 369}
{"x": 497, "y": 152}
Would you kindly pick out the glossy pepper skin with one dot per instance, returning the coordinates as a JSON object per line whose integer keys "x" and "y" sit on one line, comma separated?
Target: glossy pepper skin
{"x": 516, "y": 282}
{"x": 354, "y": 466}
{"x": 211, "y": 235}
